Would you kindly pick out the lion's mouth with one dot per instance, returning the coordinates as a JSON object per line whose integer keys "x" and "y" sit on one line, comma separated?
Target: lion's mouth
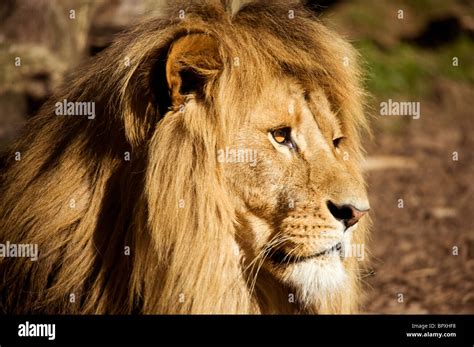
{"x": 280, "y": 257}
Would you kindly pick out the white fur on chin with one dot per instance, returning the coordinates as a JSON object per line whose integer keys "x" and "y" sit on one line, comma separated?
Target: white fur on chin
{"x": 316, "y": 280}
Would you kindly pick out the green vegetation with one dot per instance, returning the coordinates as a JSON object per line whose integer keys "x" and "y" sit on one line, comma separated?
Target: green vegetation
{"x": 409, "y": 70}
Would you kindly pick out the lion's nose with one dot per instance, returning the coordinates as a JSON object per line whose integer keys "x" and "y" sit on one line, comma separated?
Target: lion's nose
{"x": 348, "y": 214}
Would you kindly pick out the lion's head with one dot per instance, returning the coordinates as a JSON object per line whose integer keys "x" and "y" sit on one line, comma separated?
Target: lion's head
{"x": 300, "y": 200}
{"x": 224, "y": 158}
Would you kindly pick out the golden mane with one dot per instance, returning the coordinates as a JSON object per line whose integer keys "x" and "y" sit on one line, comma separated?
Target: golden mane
{"x": 155, "y": 234}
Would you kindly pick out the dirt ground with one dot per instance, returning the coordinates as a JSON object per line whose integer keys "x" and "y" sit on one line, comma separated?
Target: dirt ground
{"x": 413, "y": 248}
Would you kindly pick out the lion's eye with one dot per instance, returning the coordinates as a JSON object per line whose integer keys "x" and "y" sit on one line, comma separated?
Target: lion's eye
{"x": 283, "y": 137}
{"x": 337, "y": 141}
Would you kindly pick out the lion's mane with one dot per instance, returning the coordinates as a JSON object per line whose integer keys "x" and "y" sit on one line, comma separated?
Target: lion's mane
{"x": 154, "y": 234}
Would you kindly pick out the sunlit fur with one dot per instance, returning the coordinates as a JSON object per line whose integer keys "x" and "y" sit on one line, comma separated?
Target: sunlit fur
{"x": 74, "y": 194}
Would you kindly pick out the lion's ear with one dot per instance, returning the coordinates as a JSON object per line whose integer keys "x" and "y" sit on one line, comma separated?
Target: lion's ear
{"x": 193, "y": 60}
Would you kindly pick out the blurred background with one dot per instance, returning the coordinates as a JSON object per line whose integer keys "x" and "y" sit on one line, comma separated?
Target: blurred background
{"x": 420, "y": 172}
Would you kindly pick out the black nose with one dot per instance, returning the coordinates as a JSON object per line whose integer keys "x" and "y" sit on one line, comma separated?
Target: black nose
{"x": 348, "y": 214}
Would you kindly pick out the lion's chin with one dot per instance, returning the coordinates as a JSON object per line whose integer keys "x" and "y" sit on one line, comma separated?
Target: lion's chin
{"x": 316, "y": 280}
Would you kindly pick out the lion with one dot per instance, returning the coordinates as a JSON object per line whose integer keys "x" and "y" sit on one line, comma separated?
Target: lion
{"x": 219, "y": 173}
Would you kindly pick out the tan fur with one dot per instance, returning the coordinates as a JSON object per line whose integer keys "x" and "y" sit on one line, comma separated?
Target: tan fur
{"x": 197, "y": 228}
